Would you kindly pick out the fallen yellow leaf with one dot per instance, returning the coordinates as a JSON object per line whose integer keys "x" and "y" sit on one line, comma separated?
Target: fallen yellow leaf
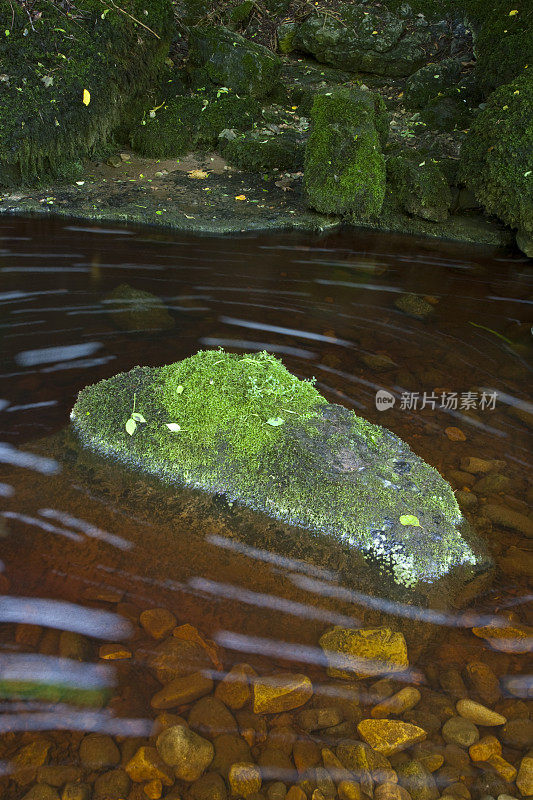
{"x": 513, "y": 13}
{"x": 86, "y": 97}
{"x": 198, "y": 173}
{"x": 240, "y": 197}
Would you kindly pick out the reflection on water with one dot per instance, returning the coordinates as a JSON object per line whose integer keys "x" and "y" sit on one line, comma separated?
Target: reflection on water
{"x": 126, "y": 611}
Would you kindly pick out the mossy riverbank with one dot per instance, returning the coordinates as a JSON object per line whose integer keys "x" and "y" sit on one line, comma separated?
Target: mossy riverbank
{"x": 380, "y": 123}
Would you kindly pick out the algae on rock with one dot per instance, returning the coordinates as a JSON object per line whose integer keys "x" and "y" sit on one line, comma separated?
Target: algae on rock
{"x": 246, "y": 427}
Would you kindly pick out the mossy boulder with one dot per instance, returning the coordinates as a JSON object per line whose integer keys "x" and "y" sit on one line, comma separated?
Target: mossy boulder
{"x": 245, "y": 427}
{"x": 225, "y": 58}
{"x": 418, "y": 186}
{"x": 430, "y": 80}
{"x": 304, "y": 79}
{"x": 364, "y": 39}
{"x": 344, "y": 169}
{"x": 192, "y": 122}
{"x": 497, "y": 155}
{"x": 69, "y": 78}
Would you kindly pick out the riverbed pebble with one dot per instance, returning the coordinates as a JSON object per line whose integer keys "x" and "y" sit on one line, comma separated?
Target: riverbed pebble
{"x": 229, "y": 749}
{"x": 41, "y": 791}
{"x": 478, "y": 713}
{"x": 76, "y": 791}
{"x": 234, "y": 690}
{"x": 389, "y": 736}
{"x": 502, "y": 515}
{"x": 280, "y": 692}
{"x": 158, "y": 622}
{"x": 404, "y": 700}
{"x": 458, "y": 730}
{"x": 315, "y": 719}
{"x": 181, "y": 691}
{"x": 244, "y": 779}
{"x": 364, "y": 652}
{"x": 174, "y": 658}
{"x": 210, "y": 786}
{"x": 486, "y": 747}
{"x": 524, "y": 779}
{"x": 98, "y": 751}
{"x": 518, "y": 733}
{"x": 114, "y": 652}
{"x": 484, "y": 682}
{"x": 111, "y": 785}
{"x": 147, "y": 765}
{"x": 185, "y": 751}
{"x": 417, "y": 780}
{"x": 504, "y": 769}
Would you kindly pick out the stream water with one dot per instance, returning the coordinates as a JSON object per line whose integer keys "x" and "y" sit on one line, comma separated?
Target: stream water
{"x": 85, "y": 553}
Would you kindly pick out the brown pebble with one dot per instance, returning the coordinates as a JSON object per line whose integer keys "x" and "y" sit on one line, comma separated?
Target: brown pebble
{"x": 479, "y": 714}
{"x": 235, "y": 689}
{"x": 296, "y": 793}
{"x": 181, "y": 691}
{"x": 455, "y": 434}
{"x": 114, "y": 652}
{"x": 484, "y": 682}
{"x": 306, "y": 754}
{"x": 244, "y": 779}
{"x": 158, "y": 622}
{"x": 503, "y": 768}
{"x": 404, "y": 700}
{"x": 391, "y": 791}
{"x": 486, "y": 747}
{"x": 349, "y": 790}
{"x": 28, "y": 635}
{"x": 147, "y": 765}
{"x": 153, "y": 789}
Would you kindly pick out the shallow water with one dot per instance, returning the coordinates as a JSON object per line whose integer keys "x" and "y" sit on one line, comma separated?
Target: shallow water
{"x": 87, "y": 550}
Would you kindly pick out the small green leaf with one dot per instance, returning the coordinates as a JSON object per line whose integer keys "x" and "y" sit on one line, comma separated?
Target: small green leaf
{"x": 179, "y": 390}
{"x": 173, "y": 426}
{"x": 275, "y": 421}
{"x": 138, "y": 417}
{"x": 131, "y": 426}
{"x": 409, "y": 519}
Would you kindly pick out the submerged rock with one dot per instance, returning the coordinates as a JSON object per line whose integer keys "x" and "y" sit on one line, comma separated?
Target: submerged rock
{"x": 364, "y": 504}
{"x": 135, "y": 310}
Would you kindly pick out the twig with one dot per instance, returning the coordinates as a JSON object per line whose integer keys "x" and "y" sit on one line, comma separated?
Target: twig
{"x": 127, "y": 14}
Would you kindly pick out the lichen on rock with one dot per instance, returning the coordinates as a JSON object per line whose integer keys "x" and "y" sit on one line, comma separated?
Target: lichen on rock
{"x": 245, "y": 427}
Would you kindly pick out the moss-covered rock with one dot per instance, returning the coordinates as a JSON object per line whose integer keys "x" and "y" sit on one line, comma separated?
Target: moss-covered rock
{"x": 447, "y": 113}
{"x": 364, "y": 39}
{"x": 246, "y": 427}
{"x": 344, "y": 165}
{"x": 264, "y": 149}
{"x": 192, "y": 122}
{"x": 418, "y": 186}
{"x": 226, "y": 58}
{"x": 430, "y": 80}
{"x": 304, "y": 79}
{"x": 68, "y": 78}
{"x": 497, "y": 155}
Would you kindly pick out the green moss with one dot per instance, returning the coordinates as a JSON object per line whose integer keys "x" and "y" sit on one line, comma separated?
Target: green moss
{"x": 192, "y": 122}
{"x": 320, "y": 467}
{"x": 497, "y": 155}
{"x": 265, "y": 150}
{"x": 418, "y": 186}
{"x": 344, "y": 165}
{"x": 226, "y": 58}
{"x": 44, "y": 123}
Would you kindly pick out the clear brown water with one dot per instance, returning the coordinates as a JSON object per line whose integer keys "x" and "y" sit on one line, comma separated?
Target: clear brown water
{"x": 102, "y": 549}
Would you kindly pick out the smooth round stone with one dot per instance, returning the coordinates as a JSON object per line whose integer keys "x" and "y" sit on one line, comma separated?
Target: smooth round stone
{"x": 524, "y": 779}
{"x": 210, "y": 786}
{"x": 504, "y": 769}
{"x": 316, "y": 719}
{"x": 484, "y": 682}
{"x": 147, "y": 765}
{"x": 76, "y": 791}
{"x": 389, "y": 736}
{"x": 244, "y": 779}
{"x": 181, "y": 691}
{"x": 174, "y": 658}
{"x": 234, "y": 690}
{"x": 277, "y": 791}
{"x": 185, "y": 751}
{"x": 158, "y": 622}
{"x": 229, "y": 749}
{"x": 479, "y": 714}
{"x": 350, "y": 790}
{"x": 518, "y": 733}
{"x": 486, "y": 747}
{"x": 404, "y": 700}
{"x": 418, "y": 781}
{"x": 458, "y": 730}
{"x": 306, "y": 754}
{"x": 74, "y": 645}
{"x": 58, "y": 776}
{"x": 391, "y": 791}
{"x": 210, "y": 717}
{"x": 112, "y": 785}
{"x": 281, "y": 692}
{"x": 98, "y": 751}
